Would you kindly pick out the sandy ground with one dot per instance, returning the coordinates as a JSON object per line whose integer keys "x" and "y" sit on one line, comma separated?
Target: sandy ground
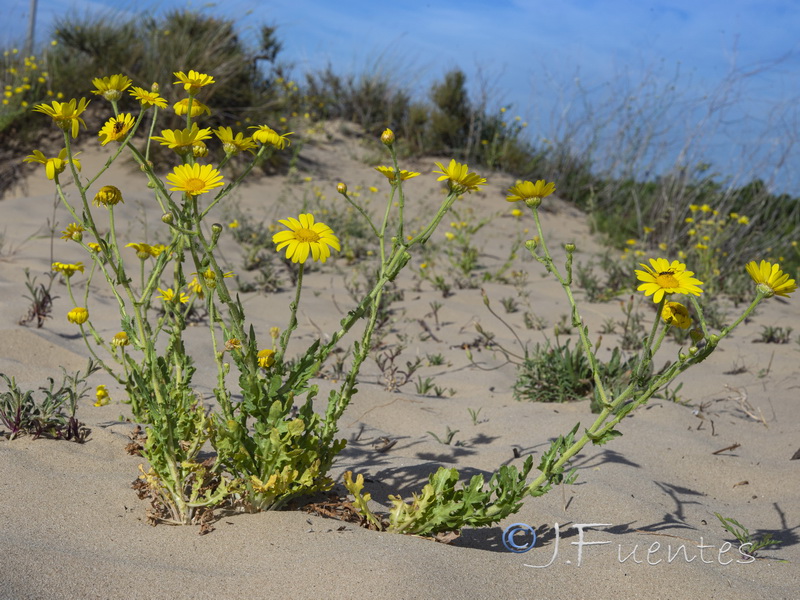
{"x": 72, "y": 527}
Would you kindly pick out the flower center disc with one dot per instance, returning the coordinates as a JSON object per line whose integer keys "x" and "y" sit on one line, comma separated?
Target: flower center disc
{"x": 306, "y": 235}
{"x": 667, "y": 280}
{"x": 195, "y": 185}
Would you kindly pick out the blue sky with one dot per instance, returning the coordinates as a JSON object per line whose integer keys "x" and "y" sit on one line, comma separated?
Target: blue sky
{"x": 545, "y": 57}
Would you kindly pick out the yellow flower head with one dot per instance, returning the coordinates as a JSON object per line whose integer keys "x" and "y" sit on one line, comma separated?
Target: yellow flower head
{"x": 102, "y": 395}
{"x": 770, "y": 280}
{"x": 65, "y": 114}
{"x": 266, "y": 358}
{"x": 387, "y": 137}
{"x": 233, "y": 144}
{"x": 67, "y": 269}
{"x": 194, "y": 179}
{"x": 111, "y": 88}
{"x": 266, "y": 135}
{"x": 148, "y": 98}
{"x": 108, "y": 195}
{"x": 78, "y": 315}
{"x": 667, "y": 278}
{"x": 71, "y": 230}
{"x": 194, "y": 287}
{"x": 120, "y": 339}
{"x": 458, "y": 177}
{"x": 193, "y": 81}
{"x": 53, "y": 166}
{"x": 531, "y": 193}
{"x": 168, "y": 295}
{"x": 676, "y": 314}
{"x": 516, "y": 213}
{"x": 116, "y": 128}
{"x": 182, "y": 140}
{"x": 389, "y": 173}
{"x": 145, "y": 251}
{"x": 304, "y": 238}
{"x": 743, "y": 220}
{"x": 198, "y": 108}
{"x": 94, "y": 246}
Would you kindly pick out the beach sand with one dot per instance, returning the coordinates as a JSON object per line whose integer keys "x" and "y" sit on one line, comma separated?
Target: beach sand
{"x": 72, "y": 526}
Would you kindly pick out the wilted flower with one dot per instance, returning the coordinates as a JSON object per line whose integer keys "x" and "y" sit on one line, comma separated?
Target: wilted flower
{"x": 108, "y": 195}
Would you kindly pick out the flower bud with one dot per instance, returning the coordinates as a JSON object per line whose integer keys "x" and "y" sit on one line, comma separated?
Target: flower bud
{"x": 167, "y": 218}
{"x": 693, "y": 350}
{"x": 341, "y": 188}
{"x": 120, "y": 339}
{"x": 77, "y": 236}
{"x": 216, "y": 229}
{"x": 532, "y": 244}
{"x": 387, "y": 137}
{"x": 78, "y": 315}
{"x": 199, "y": 149}
{"x": 569, "y": 248}
{"x": 154, "y": 87}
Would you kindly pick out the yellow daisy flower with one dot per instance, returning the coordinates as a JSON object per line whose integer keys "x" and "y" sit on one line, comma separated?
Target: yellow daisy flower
{"x": 266, "y": 358}
{"x": 67, "y": 269}
{"x": 111, "y": 88}
{"x": 116, "y": 128}
{"x": 198, "y": 108}
{"x": 676, "y": 314}
{"x": 306, "y": 237}
{"x": 770, "y": 280}
{"x": 233, "y": 144}
{"x": 102, "y": 396}
{"x": 667, "y": 278}
{"x": 65, "y": 114}
{"x": 182, "y": 140}
{"x": 267, "y": 135}
{"x": 71, "y": 230}
{"x": 148, "y": 98}
{"x": 193, "y": 81}
{"x": 194, "y": 179}
{"x": 120, "y": 339}
{"x": 527, "y": 191}
{"x": 168, "y": 295}
{"x": 458, "y": 177}
{"x": 389, "y": 173}
{"x": 145, "y": 251}
{"x": 52, "y": 166}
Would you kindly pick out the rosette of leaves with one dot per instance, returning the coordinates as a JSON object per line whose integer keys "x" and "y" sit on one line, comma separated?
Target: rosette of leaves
{"x": 52, "y": 416}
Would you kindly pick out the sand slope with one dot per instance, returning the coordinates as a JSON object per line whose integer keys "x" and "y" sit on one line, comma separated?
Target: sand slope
{"x": 73, "y": 528}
